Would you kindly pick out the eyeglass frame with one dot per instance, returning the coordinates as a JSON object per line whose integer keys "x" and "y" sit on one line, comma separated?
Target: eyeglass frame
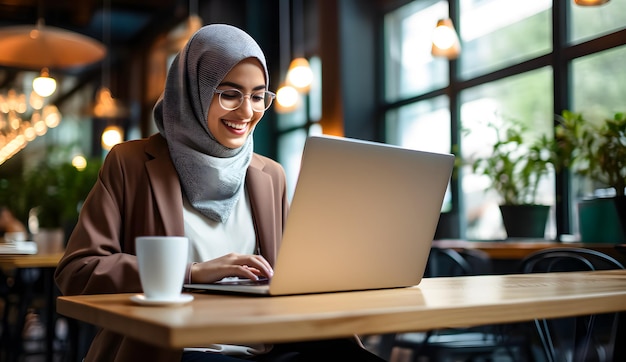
{"x": 219, "y": 93}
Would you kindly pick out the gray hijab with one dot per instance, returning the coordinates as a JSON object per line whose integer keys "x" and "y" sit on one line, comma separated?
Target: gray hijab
{"x": 211, "y": 175}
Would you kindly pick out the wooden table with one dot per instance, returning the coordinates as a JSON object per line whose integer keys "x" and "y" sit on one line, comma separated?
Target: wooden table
{"x": 43, "y": 260}
{"x": 517, "y": 250}
{"x": 47, "y": 262}
{"x": 435, "y": 303}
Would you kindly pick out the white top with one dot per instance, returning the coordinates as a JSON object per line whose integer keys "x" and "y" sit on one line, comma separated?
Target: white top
{"x": 210, "y": 239}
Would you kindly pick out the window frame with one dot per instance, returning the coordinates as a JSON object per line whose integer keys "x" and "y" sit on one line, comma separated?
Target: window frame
{"x": 560, "y": 59}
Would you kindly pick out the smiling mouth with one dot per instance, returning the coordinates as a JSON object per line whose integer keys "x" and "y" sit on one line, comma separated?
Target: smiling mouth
{"x": 237, "y": 126}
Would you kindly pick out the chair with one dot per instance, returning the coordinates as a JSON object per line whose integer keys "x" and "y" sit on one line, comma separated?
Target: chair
{"x": 468, "y": 344}
{"x": 19, "y": 294}
{"x": 443, "y": 262}
{"x": 585, "y": 338}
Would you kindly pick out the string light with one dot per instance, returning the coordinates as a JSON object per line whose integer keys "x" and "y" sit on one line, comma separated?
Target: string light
{"x": 21, "y": 121}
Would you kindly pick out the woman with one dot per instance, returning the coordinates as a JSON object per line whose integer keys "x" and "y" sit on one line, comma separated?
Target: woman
{"x": 198, "y": 177}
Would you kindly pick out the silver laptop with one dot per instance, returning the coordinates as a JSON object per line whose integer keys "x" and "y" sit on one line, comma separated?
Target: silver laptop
{"x": 363, "y": 216}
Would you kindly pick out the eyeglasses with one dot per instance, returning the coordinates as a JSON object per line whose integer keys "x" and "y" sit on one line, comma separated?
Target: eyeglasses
{"x": 231, "y": 99}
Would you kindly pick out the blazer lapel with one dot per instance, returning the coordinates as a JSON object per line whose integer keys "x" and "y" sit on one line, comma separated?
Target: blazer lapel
{"x": 259, "y": 185}
{"x": 165, "y": 185}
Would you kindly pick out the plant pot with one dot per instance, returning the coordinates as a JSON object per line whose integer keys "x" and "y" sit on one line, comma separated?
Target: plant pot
{"x": 525, "y": 221}
{"x": 599, "y": 220}
{"x": 620, "y": 206}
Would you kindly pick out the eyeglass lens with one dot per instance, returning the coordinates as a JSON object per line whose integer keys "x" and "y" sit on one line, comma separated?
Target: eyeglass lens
{"x": 232, "y": 99}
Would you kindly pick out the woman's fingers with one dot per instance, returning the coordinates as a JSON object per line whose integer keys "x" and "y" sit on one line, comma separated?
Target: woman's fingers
{"x": 232, "y": 265}
{"x": 261, "y": 265}
{"x": 249, "y": 272}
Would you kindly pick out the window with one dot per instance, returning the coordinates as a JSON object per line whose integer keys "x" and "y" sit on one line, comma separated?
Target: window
{"x": 423, "y": 126}
{"x": 598, "y": 89}
{"x": 599, "y": 83}
{"x": 505, "y": 71}
{"x": 293, "y": 128}
{"x": 524, "y": 98}
{"x": 499, "y": 33}
{"x": 290, "y": 146}
{"x": 591, "y": 21}
{"x": 409, "y": 67}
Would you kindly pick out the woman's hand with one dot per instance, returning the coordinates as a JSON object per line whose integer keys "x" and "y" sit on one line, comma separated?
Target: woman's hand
{"x": 231, "y": 265}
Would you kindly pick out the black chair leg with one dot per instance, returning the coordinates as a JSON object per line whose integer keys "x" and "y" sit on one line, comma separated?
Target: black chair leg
{"x": 546, "y": 340}
{"x": 385, "y": 345}
{"x": 581, "y": 353}
{"x": 619, "y": 347}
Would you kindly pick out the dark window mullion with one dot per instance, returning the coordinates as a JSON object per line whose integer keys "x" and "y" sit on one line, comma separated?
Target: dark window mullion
{"x": 561, "y": 98}
{"x": 455, "y": 118}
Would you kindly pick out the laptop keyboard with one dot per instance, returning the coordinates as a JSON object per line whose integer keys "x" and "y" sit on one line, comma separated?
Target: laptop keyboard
{"x": 243, "y": 281}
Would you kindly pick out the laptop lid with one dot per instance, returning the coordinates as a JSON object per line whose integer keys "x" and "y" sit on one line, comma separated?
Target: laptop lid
{"x": 363, "y": 216}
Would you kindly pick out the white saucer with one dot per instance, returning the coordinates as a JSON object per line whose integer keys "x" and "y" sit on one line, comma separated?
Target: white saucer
{"x": 141, "y": 299}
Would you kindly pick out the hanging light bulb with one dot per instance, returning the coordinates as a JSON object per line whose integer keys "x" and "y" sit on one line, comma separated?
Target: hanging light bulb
{"x": 111, "y": 136}
{"x": 287, "y": 99}
{"x": 105, "y": 104}
{"x": 445, "y": 41}
{"x": 590, "y": 2}
{"x": 300, "y": 75}
{"x": 108, "y": 107}
{"x": 44, "y": 85}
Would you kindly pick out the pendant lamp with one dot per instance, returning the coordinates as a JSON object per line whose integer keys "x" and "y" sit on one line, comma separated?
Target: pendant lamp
{"x": 445, "y": 40}
{"x": 106, "y": 106}
{"x": 287, "y": 99}
{"x": 41, "y": 46}
{"x": 300, "y": 75}
{"x": 590, "y": 2}
{"x": 287, "y": 96}
{"x": 111, "y": 136}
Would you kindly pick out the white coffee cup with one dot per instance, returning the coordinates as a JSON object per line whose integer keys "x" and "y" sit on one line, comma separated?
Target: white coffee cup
{"x": 162, "y": 263}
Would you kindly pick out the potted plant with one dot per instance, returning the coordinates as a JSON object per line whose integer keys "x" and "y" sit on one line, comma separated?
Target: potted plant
{"x": 597, "y": 152}
{"x": 51, "y": 195}
{"x": 515, "y": 167}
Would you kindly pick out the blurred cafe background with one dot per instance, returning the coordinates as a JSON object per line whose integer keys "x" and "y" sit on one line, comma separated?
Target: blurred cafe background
{"x": 530, "y": 96}
{"x": 76, "y": 77}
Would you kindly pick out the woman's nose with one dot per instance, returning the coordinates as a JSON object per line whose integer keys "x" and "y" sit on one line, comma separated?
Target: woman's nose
{"x": 246, "y": 107}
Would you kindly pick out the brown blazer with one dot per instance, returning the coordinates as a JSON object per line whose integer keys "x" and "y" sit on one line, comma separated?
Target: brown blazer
{"x": 138, "y": 193}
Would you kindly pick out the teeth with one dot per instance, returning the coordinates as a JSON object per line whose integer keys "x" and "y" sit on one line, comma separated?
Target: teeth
{"x": 235, "y": 125}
